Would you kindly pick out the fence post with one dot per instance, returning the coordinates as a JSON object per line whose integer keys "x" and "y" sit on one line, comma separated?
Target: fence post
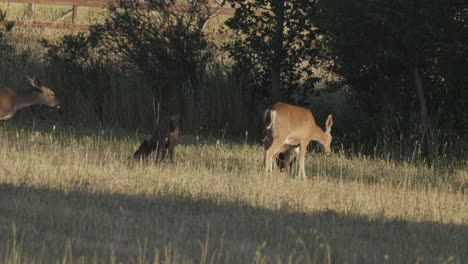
{"x": 31, "y": 10}
{"x": 74, "y": 16}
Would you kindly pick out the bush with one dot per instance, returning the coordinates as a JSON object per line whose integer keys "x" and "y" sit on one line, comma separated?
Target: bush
{"x": 7, "y": 27}
{"x": 145, "y": 61}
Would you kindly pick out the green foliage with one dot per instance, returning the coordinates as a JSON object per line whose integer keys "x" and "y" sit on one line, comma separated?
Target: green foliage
{"x": 374, "y": 44}
{"x": 79, "y": 55}
{"x": 154, "y": 39}
{"x": 252, "y": 49}
{"x": 75, "y": 50}
{"x": 6, "y": 27}
{"x": 146, "y": 37}
{"x": 148, "y": 60}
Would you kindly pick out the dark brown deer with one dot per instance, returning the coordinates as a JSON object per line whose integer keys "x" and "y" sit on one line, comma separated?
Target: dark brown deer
{"x": 163, "y": 139}
{"x": 290, "y": 127}
{"x": 13, "y": 100}
{"x": 286, "y": 159}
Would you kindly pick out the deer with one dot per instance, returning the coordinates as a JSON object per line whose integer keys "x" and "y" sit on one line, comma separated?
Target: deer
{"x": 290, "y": 128}
{"x": 285, "y": 159}
{"x": 13, "y": 100}
{"x": 164, "y": 138}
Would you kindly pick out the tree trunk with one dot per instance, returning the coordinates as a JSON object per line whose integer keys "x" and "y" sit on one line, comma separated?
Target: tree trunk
{"x": 277, "y": 44}
{"x": 426, "y": 143}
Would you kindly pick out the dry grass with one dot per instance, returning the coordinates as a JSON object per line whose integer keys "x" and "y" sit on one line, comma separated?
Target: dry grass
{"x": 85, "y": 16}
{"x": 78, "y": 197}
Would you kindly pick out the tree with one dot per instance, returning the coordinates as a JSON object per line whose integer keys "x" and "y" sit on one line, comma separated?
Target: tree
{"x": 390, "y": 54}
{"x": 274, "y": 49}
{"x": 160, "y": 40}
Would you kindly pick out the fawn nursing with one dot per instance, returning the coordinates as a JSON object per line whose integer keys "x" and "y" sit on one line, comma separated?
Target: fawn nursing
{"x": 163, "y": 139}
{"x": 289, "y": 129}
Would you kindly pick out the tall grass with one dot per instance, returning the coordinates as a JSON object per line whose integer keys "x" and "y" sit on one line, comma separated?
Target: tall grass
{"x": 69, "y": 191}
{"x": 104, "y": 97}
{"x": 76, "y": 194}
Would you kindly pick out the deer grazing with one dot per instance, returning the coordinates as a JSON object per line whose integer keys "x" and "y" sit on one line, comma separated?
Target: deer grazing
{"x": 164, "y": 138}
{"x": 289, "y": 129}
{"x": 13, "y": 100}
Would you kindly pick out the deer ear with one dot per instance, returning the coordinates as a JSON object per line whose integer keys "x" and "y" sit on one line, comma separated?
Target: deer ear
{"x": 329, "y": 123}
{"x": 36, "y": 83}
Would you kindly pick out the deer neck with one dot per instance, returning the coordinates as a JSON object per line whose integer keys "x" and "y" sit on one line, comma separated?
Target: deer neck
{"x": 26, "y": 98}
{"x": 317, "y": 133}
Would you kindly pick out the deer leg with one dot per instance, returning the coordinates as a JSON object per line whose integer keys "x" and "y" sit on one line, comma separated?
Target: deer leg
{"x": 275, "y": 161}
{"x": 287, "y": 161}
{"x": 295, "y": 155}
{"x": 158, "y": 151}
{"x": 171, "y": 152}
{"x": 284, "y": 159}
{"x": 302, "y": 153}
{"x": 163, "y": 154}
{"x": 271, "y": 152}
{"x": 291, "y": 155}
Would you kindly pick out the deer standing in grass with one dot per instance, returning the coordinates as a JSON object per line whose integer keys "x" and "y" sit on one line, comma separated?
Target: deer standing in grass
{"x": 163, "y": 139}
{"x": 291, "y": 128}
{"x": 13, "y": 100}
{"x": 285, "y": 159}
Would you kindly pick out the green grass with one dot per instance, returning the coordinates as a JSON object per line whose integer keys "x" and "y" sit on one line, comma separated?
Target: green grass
{"x": 76, "y": 195}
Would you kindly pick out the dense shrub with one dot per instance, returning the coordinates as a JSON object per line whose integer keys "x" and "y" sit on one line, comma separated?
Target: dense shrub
{"x": 153, "y": 45}
{"x": 6, "y": 27}
{"x": 405, "y": 63}
{"x": 283, "y": 32}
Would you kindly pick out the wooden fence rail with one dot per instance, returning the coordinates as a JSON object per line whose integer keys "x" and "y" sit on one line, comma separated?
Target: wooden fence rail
{"x": 91, "y": 3}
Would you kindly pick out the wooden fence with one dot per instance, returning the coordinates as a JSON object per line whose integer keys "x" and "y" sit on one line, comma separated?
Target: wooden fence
{"x": 75, "y": 4}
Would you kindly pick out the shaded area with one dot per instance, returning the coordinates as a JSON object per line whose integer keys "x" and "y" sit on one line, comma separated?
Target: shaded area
{"x": 95, "y": 223}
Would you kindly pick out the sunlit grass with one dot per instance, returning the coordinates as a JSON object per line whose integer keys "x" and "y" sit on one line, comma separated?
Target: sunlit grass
{"x": 72, "y": 194}
{"x": 82, "y": 188}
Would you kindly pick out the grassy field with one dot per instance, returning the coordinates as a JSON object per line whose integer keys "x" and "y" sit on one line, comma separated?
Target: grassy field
{"x": 75, "y": 196}
{"x": 72, "y": 194}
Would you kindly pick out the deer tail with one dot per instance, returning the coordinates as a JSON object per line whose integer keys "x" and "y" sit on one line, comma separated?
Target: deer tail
{"x": 268, "y": 124}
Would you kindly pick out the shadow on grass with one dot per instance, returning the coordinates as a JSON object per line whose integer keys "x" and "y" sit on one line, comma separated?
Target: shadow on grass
{"x": 88, "y": 224}
{"x": 23, "y": 121}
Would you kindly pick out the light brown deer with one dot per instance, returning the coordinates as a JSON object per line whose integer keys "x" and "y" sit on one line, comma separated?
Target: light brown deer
{"x": 13, "y": 100}
{"x": 286, "y": 157}
{"x": 164, "y": 138}
{"x": 289, "y": 126}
